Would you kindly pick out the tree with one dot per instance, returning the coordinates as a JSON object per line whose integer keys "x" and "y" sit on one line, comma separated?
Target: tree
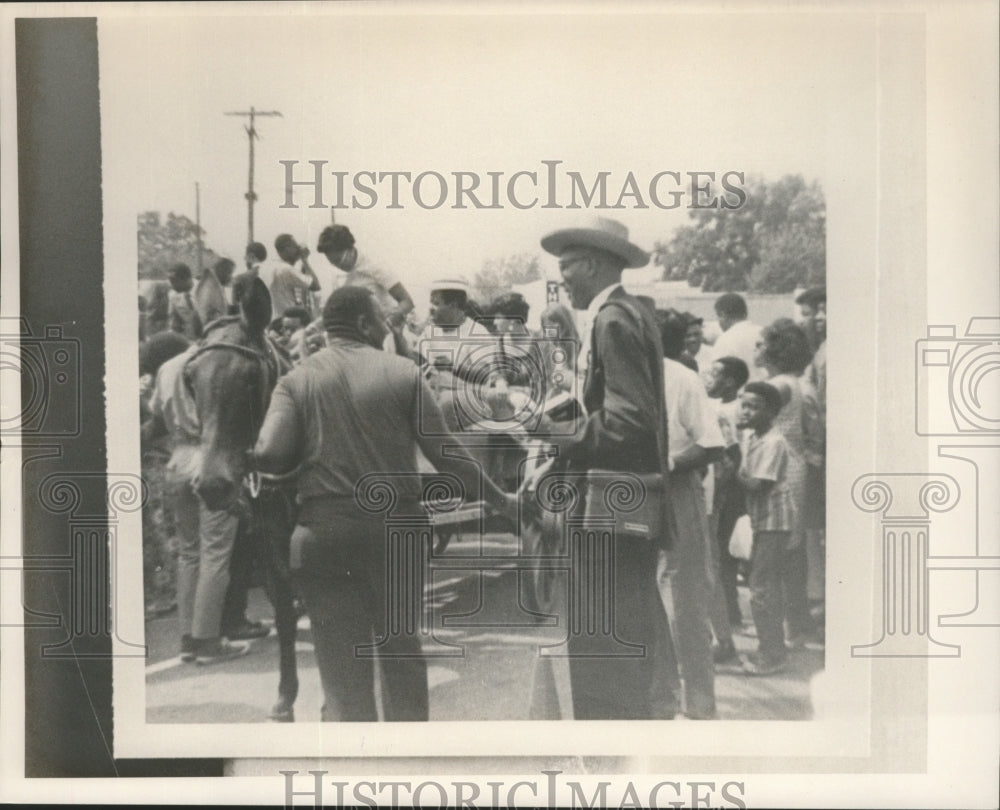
{"x": 775, "y": 242}
{"x": 793, "y": 243}
{"x": 163, "y": 244}
{"x": 498, "y": 275}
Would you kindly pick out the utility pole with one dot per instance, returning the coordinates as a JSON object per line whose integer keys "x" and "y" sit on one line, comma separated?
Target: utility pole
{"x": 251, "y": 131}
{"x": 197, "y": 221}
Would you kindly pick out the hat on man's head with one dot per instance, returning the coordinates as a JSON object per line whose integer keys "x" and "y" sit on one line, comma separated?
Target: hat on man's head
{"x": 455, "y": 283}
{"x": 335, "y": 238}
{"x": 601, "y": 233}
{"x": 812, "y": 297}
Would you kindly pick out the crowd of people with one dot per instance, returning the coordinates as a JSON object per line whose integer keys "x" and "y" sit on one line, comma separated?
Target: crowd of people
{"x": 728, "y": 417}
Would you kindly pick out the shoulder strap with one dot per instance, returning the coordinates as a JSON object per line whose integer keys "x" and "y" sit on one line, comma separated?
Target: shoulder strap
{"x": 656, "y": 373}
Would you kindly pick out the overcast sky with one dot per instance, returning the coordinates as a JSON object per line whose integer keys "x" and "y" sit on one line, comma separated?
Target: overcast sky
{"x": 380, "y": 91}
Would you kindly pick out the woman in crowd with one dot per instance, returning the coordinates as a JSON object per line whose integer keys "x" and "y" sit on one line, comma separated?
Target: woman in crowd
{"x": 783, "y": 352}
{"x": 692, "y": 340}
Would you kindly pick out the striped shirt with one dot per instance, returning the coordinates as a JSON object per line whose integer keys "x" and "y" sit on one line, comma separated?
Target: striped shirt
{"x": 766, "y": 458}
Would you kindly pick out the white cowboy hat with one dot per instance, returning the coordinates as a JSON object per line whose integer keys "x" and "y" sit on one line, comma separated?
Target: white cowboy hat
{"x": 597, "y": 232}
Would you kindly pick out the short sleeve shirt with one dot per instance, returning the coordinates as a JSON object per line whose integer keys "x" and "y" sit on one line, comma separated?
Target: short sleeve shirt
{"x": 355, "y": 410}
{"x": 290, "y": 289}
{"x": 172, "y": 403}
{"x": 691, "y": 419}
{"x": 376, "y": 279}
{"x": 766, "y": 457}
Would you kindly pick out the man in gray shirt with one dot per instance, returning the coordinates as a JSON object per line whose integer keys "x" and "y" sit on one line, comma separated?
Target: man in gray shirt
{"x": 348, "y": 411}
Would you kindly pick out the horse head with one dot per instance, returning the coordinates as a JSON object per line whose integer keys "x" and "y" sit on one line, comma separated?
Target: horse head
{"x": 231, "y": 376}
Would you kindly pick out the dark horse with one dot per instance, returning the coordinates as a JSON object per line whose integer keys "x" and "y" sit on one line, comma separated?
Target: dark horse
{"x": 231, "y": 377}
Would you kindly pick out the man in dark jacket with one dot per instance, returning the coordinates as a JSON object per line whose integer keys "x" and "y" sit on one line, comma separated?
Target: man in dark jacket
{"x": 615, "y": 675}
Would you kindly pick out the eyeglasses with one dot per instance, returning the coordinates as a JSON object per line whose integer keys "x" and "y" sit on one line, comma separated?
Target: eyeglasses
{"x": 565, "y": 264}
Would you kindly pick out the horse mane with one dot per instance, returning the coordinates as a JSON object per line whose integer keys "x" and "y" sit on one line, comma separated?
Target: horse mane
{"x": 254, "y": 301}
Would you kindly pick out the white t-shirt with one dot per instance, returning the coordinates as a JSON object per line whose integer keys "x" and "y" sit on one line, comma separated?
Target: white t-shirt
{"x": 267, "y": 269}
{"x": 691, "y": 418}
{"x": 739, "y": 340}
{"x": 439, "y": 345}
{"x": 375, "y": 278}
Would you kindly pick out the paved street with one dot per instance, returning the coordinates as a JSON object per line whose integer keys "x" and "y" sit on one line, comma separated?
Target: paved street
{"x": 491, "y": 681}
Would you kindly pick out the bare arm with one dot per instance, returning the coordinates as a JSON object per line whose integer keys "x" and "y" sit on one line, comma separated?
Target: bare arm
{"x": 694, "y": 457}
{"x": 405, "y": 305}
{"x": 751, "y": 484}
{"x": 280, "y": 437}
{"x": 308, "y": 271}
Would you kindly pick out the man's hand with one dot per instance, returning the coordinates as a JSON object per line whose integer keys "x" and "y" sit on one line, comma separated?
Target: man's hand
{"x": 313, "y": 338}
{"x": 497, "y": 396}
{"x": 396, "y": 319}
{"x": 561, "y": 434}
{"x": 509, "y": 508}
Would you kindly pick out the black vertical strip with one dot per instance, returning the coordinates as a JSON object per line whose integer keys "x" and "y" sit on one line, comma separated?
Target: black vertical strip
{"x": 68, "y": 728}
{"x": 67, "y": 700}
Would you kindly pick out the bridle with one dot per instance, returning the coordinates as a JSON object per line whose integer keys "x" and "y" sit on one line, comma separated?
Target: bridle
{"x": 270, "y": 366}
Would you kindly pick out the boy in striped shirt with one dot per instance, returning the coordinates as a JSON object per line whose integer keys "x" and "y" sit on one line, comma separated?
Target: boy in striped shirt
{"x": 763, "y": 471}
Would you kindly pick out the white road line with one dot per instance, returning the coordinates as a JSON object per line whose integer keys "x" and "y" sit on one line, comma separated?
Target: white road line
{"x": 170, "y": 663}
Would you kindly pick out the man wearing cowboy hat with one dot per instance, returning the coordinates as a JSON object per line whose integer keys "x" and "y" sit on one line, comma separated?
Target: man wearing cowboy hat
{"x": 624, "y": 430}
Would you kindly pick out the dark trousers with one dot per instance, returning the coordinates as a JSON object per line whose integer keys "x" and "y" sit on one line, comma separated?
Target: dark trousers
{"x": 766, "y": 564}
{"x": 342, "y": 573}
{"x": 615, "y": 634}
{"x": 795, "y": 577}
{"x": 730, "y": 504}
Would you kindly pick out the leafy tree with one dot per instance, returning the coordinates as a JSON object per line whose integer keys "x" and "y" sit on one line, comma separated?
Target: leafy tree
{"x": 162, "y": 244}
{"x": 498, "y": 275}
{"x": 773, "y": 243}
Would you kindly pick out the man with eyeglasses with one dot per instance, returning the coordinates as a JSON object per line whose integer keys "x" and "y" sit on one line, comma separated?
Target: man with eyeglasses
{"x": 625, "y": 430}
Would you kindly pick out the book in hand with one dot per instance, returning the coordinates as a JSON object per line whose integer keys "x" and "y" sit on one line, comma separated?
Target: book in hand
{"x": 563, "y": 407}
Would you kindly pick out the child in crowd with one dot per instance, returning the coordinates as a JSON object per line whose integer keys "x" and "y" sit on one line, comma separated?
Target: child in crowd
{"x": 727, "y": 376}
{"x": 183, "y": 316}
{"x": 762, "y": 473}
{"x": 294, "y": 320}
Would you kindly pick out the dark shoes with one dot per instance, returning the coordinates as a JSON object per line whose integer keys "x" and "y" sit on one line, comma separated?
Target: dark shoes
{"x": 724, "y": 652}
{"x": 188, "y": 649}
